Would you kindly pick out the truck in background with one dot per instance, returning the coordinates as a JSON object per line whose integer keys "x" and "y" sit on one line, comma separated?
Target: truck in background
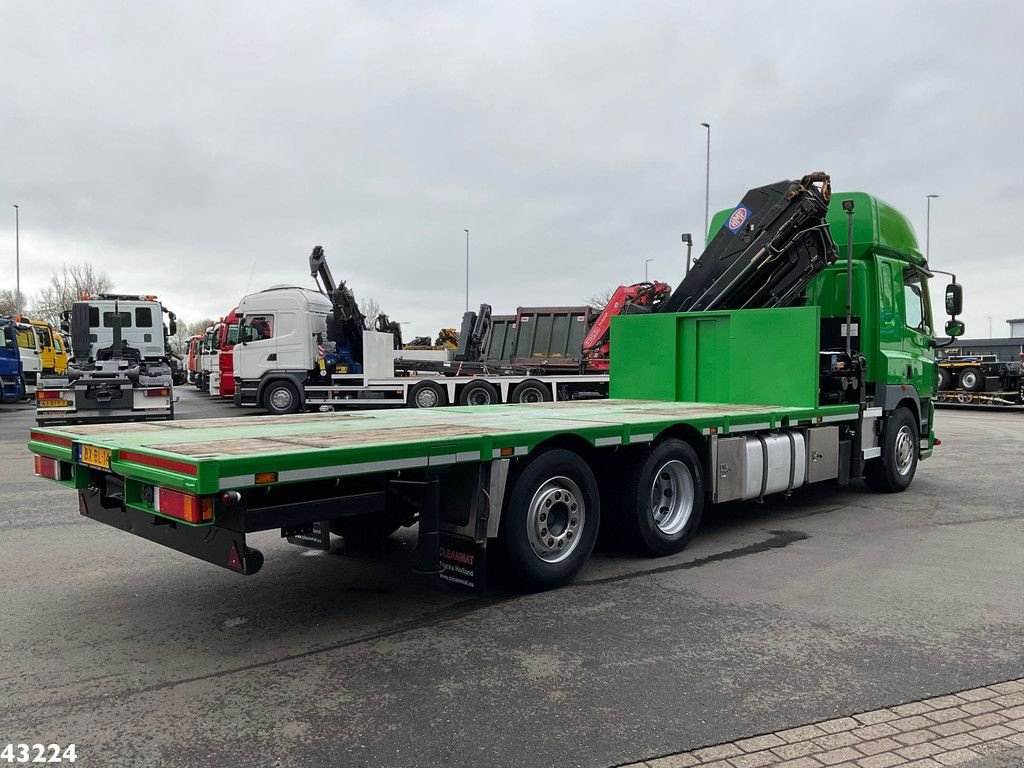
{"x": 773, "y": 365}
{"x": 12, "y": 388}
{"x": 121, "y": 368}
{"x": 227, "y": 337}
{"x": 29, "y": 348}
{"x": 979, "y": 380}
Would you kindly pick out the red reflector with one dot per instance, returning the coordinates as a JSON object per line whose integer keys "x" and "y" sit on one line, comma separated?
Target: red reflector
{"x": 158, "y": 462}
{"x": 48, "y": 394}
{"x": 159, "y": 392}
{"x": 39, "y": 437}
{"x": 46, "y": 467}
{"x": 234, "y": 561}
{"x": 937, "y": 441}
{"x": 184, "y": 506}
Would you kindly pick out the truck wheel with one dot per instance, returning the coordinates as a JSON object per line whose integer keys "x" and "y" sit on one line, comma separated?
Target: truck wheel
{"x": 478, "y": 393}
{"x": 663, "y": 499}
{"x": 972, "y": 380}
{"x": 944, "y": 378}
{"x": 894, "y": 470}
{"x": 281, "y": 397}
{"x": 531, "y": 391}
{"x": 552, "y": 519}
{"x": 428, "y": 395}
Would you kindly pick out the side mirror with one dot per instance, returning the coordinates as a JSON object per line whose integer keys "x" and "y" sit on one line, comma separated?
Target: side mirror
{"x": 954, "y": 299}
{"x": 174, "y": 326}
{"x": 954, "y": 328}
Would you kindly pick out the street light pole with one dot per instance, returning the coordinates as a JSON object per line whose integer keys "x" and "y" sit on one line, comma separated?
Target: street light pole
{"x": 17, "y": 259}
{"x": 467, "y": 268}
{"x": 707, "y": 183}
{"x": 928, "y": 228}
{"x": 688, "y": 241}
{"x": 646, "y": 262}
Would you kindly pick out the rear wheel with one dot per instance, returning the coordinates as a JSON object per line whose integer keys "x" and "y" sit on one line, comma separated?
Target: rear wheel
{"x": 894, "y": 470}
{"x": 428, "y": 394}
{"x": 478, "y": 393}
{"x": 972, "y": 380}
{"x": 531, "y": 391}
{"x": 552, "y": 519}
{"x": 281, "y": 397}
{"x": 944, "y": 378}
{"x": 663, "y": 499}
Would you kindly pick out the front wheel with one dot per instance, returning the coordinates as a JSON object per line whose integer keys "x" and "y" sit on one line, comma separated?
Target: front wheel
{"x": 281, "y": 397}
{"x": 972, "y": 380}
{"x": 552, "y": 519}
{"x": 894, "y": 470}
{"x": 663, "y": 499}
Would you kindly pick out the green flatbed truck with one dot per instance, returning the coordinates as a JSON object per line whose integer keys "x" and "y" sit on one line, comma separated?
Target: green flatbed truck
{"x": 706, "y": 407}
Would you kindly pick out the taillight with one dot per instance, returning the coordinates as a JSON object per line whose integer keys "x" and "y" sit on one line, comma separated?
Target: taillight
{"x": 48, "y": 394}
{"x": 46, "y": 467}
{"x": 184, "y": 506}
{"x": 158, "y": 392}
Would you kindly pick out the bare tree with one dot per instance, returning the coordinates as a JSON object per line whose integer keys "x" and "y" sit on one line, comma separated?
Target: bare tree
{"x": 371, "y": 309}
{"x": 67, "y": 285}
{"x": 600, "y": 299}
{"x": 11, "y": 303}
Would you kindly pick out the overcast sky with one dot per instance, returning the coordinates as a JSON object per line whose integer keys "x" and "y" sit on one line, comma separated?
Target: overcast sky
{"x": 199, "y": 150}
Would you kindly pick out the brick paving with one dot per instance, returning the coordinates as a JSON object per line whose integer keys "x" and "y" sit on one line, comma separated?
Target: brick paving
{"x": 932, "y": 733}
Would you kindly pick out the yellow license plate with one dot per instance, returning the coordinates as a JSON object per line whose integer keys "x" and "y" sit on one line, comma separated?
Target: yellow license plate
{"x": 54, "y": 403}
{"x": 95, "y": 457}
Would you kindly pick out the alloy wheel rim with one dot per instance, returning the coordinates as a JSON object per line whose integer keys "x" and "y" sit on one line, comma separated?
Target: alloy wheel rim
{"x": 904, "y": 450}
{"x": 672, "y": 497}
{"x": 555, "y": 518}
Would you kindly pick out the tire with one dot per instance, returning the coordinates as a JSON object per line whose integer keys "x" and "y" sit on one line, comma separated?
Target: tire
{"x": 972, "y": 380}
{"x": 531, "y": 391}
{"x": 281, "y": 397}
{"x": 944, "y": 378}
{"x": 894, "y": 470}
{"x": 662, "y": 499}
{"x": 479, "y": 393}
{"x": 365, "y": 533}
{"x": 555, "y": 488}
{"x": 428, "y": 395}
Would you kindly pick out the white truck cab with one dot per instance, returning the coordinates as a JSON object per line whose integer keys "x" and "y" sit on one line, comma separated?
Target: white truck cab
{"x": 280, "y": 330}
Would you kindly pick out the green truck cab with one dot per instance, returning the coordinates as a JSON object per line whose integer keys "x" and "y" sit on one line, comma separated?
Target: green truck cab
{"x": 709, "y": 406}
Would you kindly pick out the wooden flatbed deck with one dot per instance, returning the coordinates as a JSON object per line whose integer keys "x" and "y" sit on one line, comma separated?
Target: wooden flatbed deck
{"x": 210, "y": 455}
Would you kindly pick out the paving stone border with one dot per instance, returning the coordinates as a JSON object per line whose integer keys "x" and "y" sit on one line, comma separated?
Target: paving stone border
{"x": 931, "y": 733}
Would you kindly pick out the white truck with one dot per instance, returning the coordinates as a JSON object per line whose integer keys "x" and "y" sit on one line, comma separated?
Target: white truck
{"x": 285, "y": 362}
{"x": 120, "y": 369}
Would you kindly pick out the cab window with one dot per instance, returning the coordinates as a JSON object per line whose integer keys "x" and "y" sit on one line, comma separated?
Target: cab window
{"x": 258, "y": 328}
{"x": 94, "y": 317}
{"x": 6, "y": 337}
{"x": 108, "y": 319}
{"x": 44, "y": 337}
{"x": 26, "y": 339}
{"x": 914, "y": 303}
{"x": 143, "y": 317}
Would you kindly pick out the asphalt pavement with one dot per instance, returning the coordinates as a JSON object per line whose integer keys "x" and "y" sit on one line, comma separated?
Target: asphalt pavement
{"x": 827, "y": 603}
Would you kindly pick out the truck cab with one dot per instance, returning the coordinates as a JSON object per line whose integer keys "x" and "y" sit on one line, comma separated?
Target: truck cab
{"x": 893, "y": 327}
{"x": 280, "y": 330}
{"x": 12, "y": 388}
{"x": 120, "y": 367}
{"x": 31, "y": 361}
{"x": 227, "y": 338}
